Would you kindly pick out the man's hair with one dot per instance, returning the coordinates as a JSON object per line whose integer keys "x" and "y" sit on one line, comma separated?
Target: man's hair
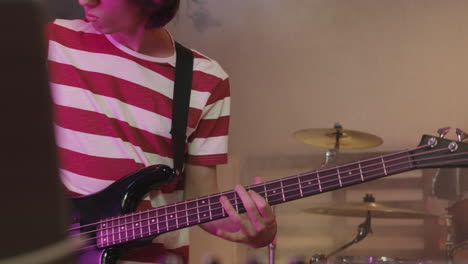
{"x": 162, "y": 12}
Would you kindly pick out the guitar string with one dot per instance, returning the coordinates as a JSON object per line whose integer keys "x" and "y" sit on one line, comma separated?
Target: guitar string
{"x": 322, "y": 182}
{"x": 378, "y": 159}
{"x": 237, "y": 199}
{"x": 220, "y": 215}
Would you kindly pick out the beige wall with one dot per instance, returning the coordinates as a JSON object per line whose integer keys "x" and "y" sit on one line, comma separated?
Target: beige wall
{"x": 394, "y": 68}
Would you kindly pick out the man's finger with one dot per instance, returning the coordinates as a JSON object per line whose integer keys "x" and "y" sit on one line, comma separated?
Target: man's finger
{"x": 263, "y": 207}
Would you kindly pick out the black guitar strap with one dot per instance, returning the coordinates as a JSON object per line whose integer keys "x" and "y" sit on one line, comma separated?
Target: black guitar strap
{"x": 181, "y": 104}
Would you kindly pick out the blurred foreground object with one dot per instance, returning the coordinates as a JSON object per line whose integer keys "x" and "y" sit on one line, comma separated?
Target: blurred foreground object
{"x": 35, "y": 218}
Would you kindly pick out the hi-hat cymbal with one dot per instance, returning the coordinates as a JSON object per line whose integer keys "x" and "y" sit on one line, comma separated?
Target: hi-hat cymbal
{"x": 376, "y": 210}
{"x": 326, "y": 138}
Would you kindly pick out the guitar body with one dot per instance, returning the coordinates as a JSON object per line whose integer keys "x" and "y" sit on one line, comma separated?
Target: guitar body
{"x": 122, "y": 197}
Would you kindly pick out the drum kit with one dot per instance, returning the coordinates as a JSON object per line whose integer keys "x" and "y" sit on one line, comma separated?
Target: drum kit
{"x": 337, "y": 138}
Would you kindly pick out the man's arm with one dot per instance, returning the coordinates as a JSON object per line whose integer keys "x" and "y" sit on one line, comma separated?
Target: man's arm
{"x": 257, "y": 227}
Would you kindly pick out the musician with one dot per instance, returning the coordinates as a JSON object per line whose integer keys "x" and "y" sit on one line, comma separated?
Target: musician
{"x": 111, "y": 77}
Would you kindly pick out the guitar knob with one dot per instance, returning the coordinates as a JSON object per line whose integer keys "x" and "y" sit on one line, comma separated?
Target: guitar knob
{"x": 461, "y": 135}
{"x": 443, "y": 131}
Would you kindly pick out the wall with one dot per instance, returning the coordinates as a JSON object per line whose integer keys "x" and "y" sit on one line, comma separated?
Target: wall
{"x": 395, "y": 69}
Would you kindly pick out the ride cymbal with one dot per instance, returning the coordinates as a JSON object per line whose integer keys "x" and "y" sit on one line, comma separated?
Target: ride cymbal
{"x": 376, "y": 210}
{"x": 327, "y": 138}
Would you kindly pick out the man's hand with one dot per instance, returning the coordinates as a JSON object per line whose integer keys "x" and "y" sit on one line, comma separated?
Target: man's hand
{"x": 257, "y": 227}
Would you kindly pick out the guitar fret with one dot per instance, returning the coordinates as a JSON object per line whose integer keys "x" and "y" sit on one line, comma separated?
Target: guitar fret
{"x": 110, "y": 233}
{"x": 153, "y": 223}
{"x": 203, "y": 208}
{"x": 167, "y": 222}
{"x": 103, "y": 234}
{"x": 300, "y": 187}
{"x": 209, "y": 209}
{"x": 282, "y": 190}
{"x": 383, "y": 165}
{"x": 192, "y": 212}
{"x": 113, "y": 228}
{"x": 155, "y": 220}
{"x": 398, "y": 162}
{"x": 181, "y": 215}
{"x": 172, "y": 221}
{"x": 291, "y": 189}
{"x": 118, "y": 230}
{"x": 177, "y": 219}
{"x": 129, "y": 227}
{"x": 271, "y": 192}
{"x": 186, "y": 214}
{"x": 132, "y": 226}
{"x": 339, "y": 176}
{"x": 123, "y": 230}
{"x": 265, "y": 193}
{"x": 360, "y": 172}
{"x": 145, "y": 224}
{"x": 224, "y": 211}
{"x": 319, "y": 183}
{"x": 235, "y": 201}
{"x": 307, "y": 184}
{"x": 198, "y": 213}
{"x": 136, "y": 225}
{"x": 328, "y": 179}
{"x": 216, "y": 209}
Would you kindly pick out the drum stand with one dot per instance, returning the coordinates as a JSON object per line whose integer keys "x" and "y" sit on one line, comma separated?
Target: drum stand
{"x": 272, "y": 247}
{"x": 330, "y": 155}
{"x": 450, "y": 238}
{"x": 363, "y": 230}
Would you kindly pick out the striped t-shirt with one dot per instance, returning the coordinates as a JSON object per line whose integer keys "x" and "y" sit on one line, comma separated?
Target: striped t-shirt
{"x": 113, "y": 109}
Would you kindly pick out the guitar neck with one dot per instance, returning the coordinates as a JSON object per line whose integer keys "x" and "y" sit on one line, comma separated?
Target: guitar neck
{"x": 208, "y": 208}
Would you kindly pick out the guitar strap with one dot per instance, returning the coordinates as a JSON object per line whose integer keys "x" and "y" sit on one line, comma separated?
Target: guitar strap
{"x": 181, "y": 104}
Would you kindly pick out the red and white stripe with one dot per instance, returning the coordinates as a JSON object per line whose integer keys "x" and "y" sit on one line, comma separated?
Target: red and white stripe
{"x": 113, "y": 109}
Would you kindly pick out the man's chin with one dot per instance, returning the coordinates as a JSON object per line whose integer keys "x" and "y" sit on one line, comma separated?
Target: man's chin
{"x": 100, "y": 28}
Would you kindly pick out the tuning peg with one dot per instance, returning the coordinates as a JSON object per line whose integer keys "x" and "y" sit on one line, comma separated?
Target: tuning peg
{"x": 443, "y": 131}
{"x": 461, "y": 135}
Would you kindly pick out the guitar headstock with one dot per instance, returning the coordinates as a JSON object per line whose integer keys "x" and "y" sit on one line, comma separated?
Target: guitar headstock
{"x": 439, "y": 152}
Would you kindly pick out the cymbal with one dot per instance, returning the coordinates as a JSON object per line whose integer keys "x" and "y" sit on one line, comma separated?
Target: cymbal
{"x": 376, "y": 210}
{"x": 326, "y": 138}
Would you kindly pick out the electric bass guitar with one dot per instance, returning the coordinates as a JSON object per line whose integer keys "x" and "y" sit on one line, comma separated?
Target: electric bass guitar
{"x": 107, "y": 223}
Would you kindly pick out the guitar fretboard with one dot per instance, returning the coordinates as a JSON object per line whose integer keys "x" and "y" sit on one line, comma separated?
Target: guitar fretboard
{"x": 193, "y": 212}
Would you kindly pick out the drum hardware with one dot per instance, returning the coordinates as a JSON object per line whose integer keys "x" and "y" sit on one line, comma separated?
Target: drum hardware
{"x": 369, "y": 208}
{"x": 335, "y": 139}
{"x": 457, "y": 234}
{"x": 450, "y": 184}
{"x": 375, "y": 209}
{"x": 363, "y": 230}
{"x": 272, "y": 247}
{"x": 450, "y": 237}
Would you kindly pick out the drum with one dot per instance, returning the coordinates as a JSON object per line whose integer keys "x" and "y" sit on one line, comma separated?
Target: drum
{"x": 459, "y": 213}
{"x": 374, "y": 260}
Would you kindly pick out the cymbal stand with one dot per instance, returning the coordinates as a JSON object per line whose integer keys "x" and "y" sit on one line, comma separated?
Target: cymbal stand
{"x": 363, "y": 230}
{"x": 272, "y": 247}
{"x": 450, "y": 237}
{"x": 330, "y": 155}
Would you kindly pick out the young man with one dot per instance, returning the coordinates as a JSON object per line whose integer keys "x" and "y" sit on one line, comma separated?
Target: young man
{"x": 111, "y": 76}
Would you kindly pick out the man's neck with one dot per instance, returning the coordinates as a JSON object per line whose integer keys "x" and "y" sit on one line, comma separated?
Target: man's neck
{"x": 154, "y": 42}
